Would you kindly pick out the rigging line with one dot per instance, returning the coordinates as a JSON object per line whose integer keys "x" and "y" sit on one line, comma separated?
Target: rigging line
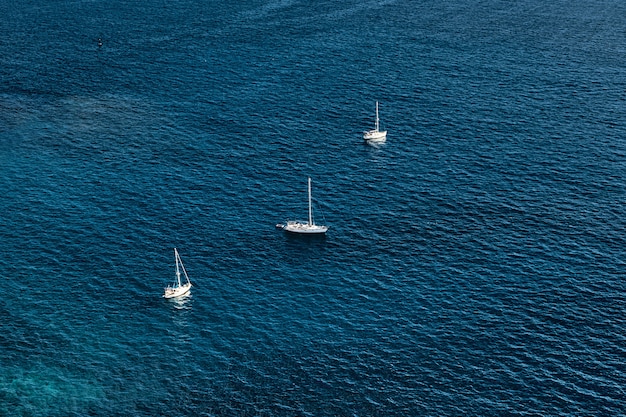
{"x": 319, "y": 209}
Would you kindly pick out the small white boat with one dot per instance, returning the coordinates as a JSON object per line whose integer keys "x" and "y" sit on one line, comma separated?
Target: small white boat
{"x": 309, "y": 227}
{"x": 179, "y": 288}
{"x": 375, "y": 134}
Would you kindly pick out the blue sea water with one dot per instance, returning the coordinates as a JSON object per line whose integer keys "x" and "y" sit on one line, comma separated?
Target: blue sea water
{"x": 475, "y": 261}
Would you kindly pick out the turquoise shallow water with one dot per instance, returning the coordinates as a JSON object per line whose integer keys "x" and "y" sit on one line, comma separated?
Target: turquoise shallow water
{"x": 474, "y": 263}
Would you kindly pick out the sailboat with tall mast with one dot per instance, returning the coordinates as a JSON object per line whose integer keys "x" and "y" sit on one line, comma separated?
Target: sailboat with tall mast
{"x": 376, "y": 133}
{"x": 179, "y": 288}
{"x": 301, "y": 227}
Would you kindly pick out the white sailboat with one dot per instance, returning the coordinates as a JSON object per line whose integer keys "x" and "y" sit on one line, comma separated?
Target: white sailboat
{"x": 301, "y": 227}
{"x": 375, "y": 134}
{"x": 179, "y": 288}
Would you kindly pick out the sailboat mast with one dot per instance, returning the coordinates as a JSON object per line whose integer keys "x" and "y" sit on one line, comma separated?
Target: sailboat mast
{"x": 310, "y": 209}
{"x": 177, "y": 270}
{"x": 377, "y": 121}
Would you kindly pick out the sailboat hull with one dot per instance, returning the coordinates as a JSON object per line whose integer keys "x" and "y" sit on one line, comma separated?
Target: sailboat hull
{"x": 173, "y": 292}
{"x": 304, "y": 228}
{"x": 375, "y": 135}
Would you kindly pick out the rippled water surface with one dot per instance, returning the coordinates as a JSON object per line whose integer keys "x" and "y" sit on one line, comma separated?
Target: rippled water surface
{"x": 474, "y": 263}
